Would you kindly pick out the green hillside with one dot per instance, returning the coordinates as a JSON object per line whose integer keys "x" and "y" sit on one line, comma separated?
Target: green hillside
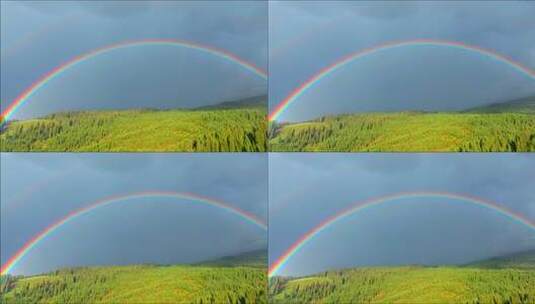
{"x": 251, "y": 102}
{"x": 522, "y": 260}
{"x": 521, "y": 105}
{"x": 256, "y": 258}
{"x": 230, "y": 127}
{"x": 408, "y": 132}
{"x": 411, "y": 284}
{"x": 142, "y": 284}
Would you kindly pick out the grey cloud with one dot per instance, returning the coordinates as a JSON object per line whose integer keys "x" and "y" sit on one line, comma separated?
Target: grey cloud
{"x": 49, "y": 7}
{"x": 108, "y": 9}
{"x": 116, "y": 9}
{"x": 388, "y": 10}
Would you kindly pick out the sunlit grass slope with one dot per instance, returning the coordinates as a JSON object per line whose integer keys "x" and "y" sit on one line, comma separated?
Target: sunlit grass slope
{"x": 230, "y": 127}
{"x": 500, "y": 127}
{"x": 142, "y": 284}
{"x": 409, "y": 132}
{"x": 411, "y": 284}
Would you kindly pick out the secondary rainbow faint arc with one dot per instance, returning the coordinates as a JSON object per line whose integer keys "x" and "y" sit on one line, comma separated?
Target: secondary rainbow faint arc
{"x": 34, "y": 241}
{"x": 282, "y": 106}
{"x": 359, "y": 206}
{"x": 35, "y": 187}
{"x": 22, "y": 98}
{"x": 24, "y": 40}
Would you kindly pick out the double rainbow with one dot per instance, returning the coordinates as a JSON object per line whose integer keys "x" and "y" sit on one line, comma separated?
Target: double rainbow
{"x": 279, "y": 263}
{"x": 328, "y": 70}
{"x": 38, "y": 238}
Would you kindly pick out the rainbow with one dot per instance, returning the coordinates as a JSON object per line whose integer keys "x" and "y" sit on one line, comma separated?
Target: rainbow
{"x": 54, "y": 73}
{"x": 35, "y": 240}
{"x": 278, "y": 264}
{"x": 328, "y": 70}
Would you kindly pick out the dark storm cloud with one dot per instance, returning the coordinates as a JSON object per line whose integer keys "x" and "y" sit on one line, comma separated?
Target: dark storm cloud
{"x": 38, "y": 37}
{"x": 380, "y": 10}
{"x": 388, "y": 11}
{"x": 308, "y": 36}
{"x": 116, "y": 9}
{"x": 49, "y": 7}
{"x": 306, "y": 189}
{"x": 111, "y": 162}
{"x": 38, "y": 189}
{"x": 108, "y": 9}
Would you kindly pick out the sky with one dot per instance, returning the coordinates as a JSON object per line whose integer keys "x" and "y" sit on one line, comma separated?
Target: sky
{"x": 306, "y": 189}
{"x": 41, "y": 35}
{"x": 305, "y": 37}
{"x": 38, "y": 189}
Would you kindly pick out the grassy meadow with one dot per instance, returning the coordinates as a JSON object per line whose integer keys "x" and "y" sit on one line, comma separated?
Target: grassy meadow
{"x": 230, "y": 280}
{"x": 507, "y": 127}
{"x": 229, "y": 127}
{"x": 511, "y": 280}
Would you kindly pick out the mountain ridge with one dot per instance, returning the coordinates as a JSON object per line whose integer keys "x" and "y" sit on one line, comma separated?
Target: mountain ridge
{"x": 254, "y": 258}
{"x": 519, "y": 105}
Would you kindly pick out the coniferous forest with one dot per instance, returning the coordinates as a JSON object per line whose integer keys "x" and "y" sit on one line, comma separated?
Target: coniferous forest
{"x": 501, "y": 127}
{"x": 228, "y": 127}
{"x": 240, "y": 279}
{"x": 508, "y": 280}
{"x": 409, "y": 132}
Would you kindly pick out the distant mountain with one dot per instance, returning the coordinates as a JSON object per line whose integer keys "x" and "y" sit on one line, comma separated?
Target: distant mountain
{"x": 521, "y": 105}
{"x": 250, "y": 102}
{"x": 257, "y": 258}
{"x": 521, "y": 260}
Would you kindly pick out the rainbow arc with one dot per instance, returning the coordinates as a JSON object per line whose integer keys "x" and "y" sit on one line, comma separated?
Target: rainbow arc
{"x": 340, "y": 63}
{"x": 298, "y": 245}
{"x": 54, "y": 73}
{"x": 180, "y": 196}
